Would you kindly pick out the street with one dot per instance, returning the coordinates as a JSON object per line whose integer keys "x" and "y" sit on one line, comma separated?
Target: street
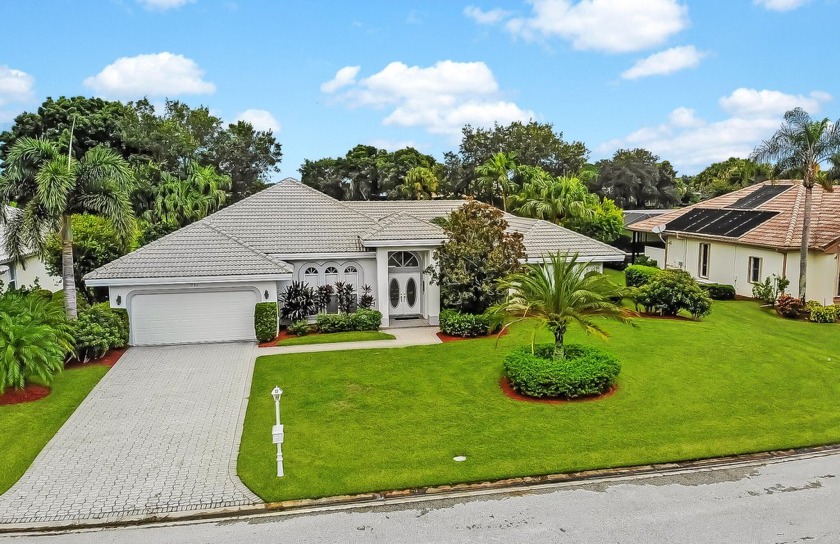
{"x": 782, "y": 502}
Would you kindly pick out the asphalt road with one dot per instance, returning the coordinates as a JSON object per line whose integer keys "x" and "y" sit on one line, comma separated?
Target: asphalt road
{"x": 794, "y": 501}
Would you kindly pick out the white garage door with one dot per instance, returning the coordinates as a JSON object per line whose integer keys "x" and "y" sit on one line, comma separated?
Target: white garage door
{"x": 180, "y": 317}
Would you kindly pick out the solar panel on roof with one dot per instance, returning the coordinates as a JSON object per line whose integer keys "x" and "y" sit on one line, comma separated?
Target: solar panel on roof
{"x": 725, "y": 222}
{"x": 759, "y": 197}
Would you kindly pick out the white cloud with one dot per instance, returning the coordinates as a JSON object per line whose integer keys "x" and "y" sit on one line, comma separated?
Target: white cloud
{"x": 613, "y": 26}
{"x": 441, "y": 98}
{"x": 159, "y": 74}
{"x": 162, "y": 5}
{"x": 780, "y": 5}
{"x": 260, "y": 119}
{"x": 15, "y": 85}
{"x": 666, "y": 62}
{"x": 345, "y": 76}
{"x": 691, "y": 143}
{"x": 490, "y": 17}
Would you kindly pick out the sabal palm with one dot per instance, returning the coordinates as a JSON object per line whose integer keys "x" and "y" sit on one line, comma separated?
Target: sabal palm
{"x": 559, "y": 292}
{"x": 553, "y": 199}
{"x": 496, "y": 174}
{"x": 802, "y": 144}
{"x": 50, "y": 187}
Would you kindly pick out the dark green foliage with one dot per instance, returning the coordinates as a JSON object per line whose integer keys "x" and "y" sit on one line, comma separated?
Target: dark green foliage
{"x": 670, "y": 291}
{"x": 768, "y": 291}
{"x": 366, "y": 319}
{"x": 360, "y": 320}
{"x": 455, "y": 323}
{"x": 789, "y": 306}
{"x": 730, "y": 175}
{"x": 299, "y": 328}
{"x": 585, "y": 371}
{"x": 98, "y": 329}
{"x": 366, "y": 300}
{"x": 637, "y": 275}
{"x": 299, "y": 301}
{"x": 265, "y": 321}
{"x": 634, "y": 178}
{"x": 325, "y": 295}
{"x": 476, "y": 255}
{"x": 644, "y": 260}
{"x": 345, "y": 294}
{"x": 719, "y": 291}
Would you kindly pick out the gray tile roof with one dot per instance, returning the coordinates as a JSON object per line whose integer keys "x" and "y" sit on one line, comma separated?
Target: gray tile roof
{"x": 421, "y": 209}
{"x": 403, "y": 226}
{"x": 542, "y": 237}
{"x": 193, "y": 251}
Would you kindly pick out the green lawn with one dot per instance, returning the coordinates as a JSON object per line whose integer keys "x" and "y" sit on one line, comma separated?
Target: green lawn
{"x": 742, "y": 380}
{"x": 26, "y": 428}
{"x": 334, "y": 337}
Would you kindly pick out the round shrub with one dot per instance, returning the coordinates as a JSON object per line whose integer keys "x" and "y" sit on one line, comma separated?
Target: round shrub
{"x": 584, "y": 372}
{"x": 719, "y": 291}
{"x": 637, "y": 275}
{"x": 455, "y": 323}
{"x": 821, "y": 314}
{"x": 789, "y": 306}
{"x": 673, "y": 290}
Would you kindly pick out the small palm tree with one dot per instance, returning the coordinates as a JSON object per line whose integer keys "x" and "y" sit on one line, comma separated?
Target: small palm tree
{"x": 497, "y": 175}
{"x": 559, "y": 292}
{"x": 553, "y": 199}
{"x": 52, "y": 187}
{"x": 802, "y": 144}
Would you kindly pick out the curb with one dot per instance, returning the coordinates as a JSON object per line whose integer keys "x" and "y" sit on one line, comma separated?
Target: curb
{"x": 407, "y": 496}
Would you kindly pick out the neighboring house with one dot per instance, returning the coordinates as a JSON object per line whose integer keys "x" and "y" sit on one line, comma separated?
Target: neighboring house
{"x": 748, "y": 235}
{"x": 200, "y": 283}
{"x": 26, "y": 273}
{"x": 633, "y": 242}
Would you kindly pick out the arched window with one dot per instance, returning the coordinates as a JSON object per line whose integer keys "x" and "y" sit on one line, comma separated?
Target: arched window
{"x": 403, "y": 259}
{"x": 310, "y": 276}
{"x": 351, "y": 275}
{"x": 330, "y": 275}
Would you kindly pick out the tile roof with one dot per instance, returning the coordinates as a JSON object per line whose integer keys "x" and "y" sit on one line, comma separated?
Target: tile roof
{"x": 404, "y": 226}
{"x": 542, "y": 237}
{"x": 634, "y": 216}
{"x": 421, "y": 209}
{"x": 784, "y": 230}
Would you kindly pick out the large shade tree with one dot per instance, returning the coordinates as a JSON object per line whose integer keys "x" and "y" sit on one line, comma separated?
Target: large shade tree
{"x": 802, "y": 144}
{"x": 51, "y": 186}
{"x": 636, "y": 178}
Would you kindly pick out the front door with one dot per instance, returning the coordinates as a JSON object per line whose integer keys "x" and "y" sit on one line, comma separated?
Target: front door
{"x": 404, "y": 293}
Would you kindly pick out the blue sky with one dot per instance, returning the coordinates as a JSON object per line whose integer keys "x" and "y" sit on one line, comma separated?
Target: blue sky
{"x": 693, "y": 81}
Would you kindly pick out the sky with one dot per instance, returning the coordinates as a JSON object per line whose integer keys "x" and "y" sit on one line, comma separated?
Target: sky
{"x": 694, "y": 81}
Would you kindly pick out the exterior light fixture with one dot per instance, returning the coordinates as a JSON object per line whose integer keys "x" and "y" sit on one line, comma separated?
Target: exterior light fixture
{"x": 266, "y": 294}
{"x": 119, "y": 300}
{"x": 277, "y": 430}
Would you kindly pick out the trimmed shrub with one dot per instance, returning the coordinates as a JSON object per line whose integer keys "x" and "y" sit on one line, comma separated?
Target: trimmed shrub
{"x": 789, "y": 306}
{"x": 821, "y": 314}
{"x": 299, "y": 301}
{"x": 455, "y": 323}
{"x": 719, "y": 291}
{"x": 299, "y": 328}
{"x": 673, "y": 290}
{"x": 644, "y": 260}
{"x": 265, "y": 321}
{"x": 366, "y": 319}
{"x": 637, "y": 275}
{"x": 584, "y": 372}
{"x": 98, "y": 329}
{"x": 360, "y": 320}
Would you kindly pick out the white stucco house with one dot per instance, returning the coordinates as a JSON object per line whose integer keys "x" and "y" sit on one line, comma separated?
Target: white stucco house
{"x": 27, "y": 273}
{"x": 750, "y": 234}
{"x": 200, "y": 283}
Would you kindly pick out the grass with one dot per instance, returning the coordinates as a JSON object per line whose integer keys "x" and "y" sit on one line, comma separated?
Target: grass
{"x": 742, "y": 380}
{"x": 28, "y": 427}
{"x": 335, "y": 337}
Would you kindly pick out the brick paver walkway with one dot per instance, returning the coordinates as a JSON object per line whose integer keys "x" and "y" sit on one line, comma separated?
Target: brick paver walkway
{"x": 159, "y": 433}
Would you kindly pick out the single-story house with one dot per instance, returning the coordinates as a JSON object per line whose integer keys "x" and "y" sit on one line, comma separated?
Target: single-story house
{"x": 748, "y": 235}
{"x": 27, "y": 273}
{"x": 633, "y": 242}
{"x": 200, "y": 283}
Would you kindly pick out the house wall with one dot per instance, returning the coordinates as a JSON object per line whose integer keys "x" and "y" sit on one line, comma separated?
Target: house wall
{"x": 366, "y": 267}
{"x": 34, "y": 270}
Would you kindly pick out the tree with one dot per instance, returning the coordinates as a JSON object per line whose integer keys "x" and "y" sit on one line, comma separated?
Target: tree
{"x": 802, "y": 144}
{"x": 51, "y": 188}
{"x": 635, "y": 178}
{"x": 561, "y": 291}
{"x": 477, "y": 254}
{"x": 495, "y": 178}
{"x": 420, "y": 183}
{"x": 179, "y": 201}
{"x": 730, "y": 175}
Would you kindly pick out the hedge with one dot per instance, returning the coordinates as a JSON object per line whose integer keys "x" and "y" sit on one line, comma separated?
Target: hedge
{"x": 455, "y": 323}
{"x": 360, "y": 320}
{"x": 637, "y": 275}
{"x": 584, "y": 372}
{"x": 719, "y": 291}
{"x": 265, "y": 321}
{"x": 98, "y": 329}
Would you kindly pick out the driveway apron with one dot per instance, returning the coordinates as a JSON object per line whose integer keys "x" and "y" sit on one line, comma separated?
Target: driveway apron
{"x": 159, "y": 433}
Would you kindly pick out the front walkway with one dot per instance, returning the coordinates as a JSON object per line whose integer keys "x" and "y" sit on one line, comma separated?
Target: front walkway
{"x": 416, "y": 336}
{"x": 159, "y": 433}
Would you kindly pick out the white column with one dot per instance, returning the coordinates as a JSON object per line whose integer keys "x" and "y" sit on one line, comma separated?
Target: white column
{"x": 432, "y": 293}
{"x": 382, "y": 284}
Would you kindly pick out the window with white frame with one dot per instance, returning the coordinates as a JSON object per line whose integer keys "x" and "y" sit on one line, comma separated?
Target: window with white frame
{"x": 403, "y": 259}
{"x": 310, "y": 276}
{"x": 755, "y": 269}
{"x": 703, "y": 265}
{"x": 351, "y": 275}
{"x": 12, "y": 276}
{"x": 330, "y": 275}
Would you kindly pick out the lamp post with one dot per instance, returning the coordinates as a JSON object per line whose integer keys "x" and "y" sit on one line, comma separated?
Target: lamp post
{"x": 277, "y": 430}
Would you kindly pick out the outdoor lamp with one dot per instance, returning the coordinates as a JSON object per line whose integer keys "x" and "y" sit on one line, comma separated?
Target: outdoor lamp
{"x": 266, "y": 297}
{"x": 277, "y": 430}
{"x": 119, "y": 300}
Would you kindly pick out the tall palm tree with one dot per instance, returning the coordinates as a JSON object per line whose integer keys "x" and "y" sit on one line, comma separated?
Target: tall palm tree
{"x": 497, "y": 175}
{"x": 802, "y": 144}
{"x": 559, "y": 292}
{"x": 553, "y": 199}
{"x": 50, "y": 188}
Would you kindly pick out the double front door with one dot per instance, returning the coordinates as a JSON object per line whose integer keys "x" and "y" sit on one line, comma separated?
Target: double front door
{"x": 405, "y": 293}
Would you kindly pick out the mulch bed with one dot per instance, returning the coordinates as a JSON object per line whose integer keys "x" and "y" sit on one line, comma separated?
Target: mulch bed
{"x": 446, "y": 338}
{"x": 283, "y": 335}
{"x": 29, "y": 393}
{"x": 512, "y": 394}
{"x": 109, "y": 359}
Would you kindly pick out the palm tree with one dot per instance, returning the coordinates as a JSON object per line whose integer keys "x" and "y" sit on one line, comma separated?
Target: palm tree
{"x": 497, "y": 175}
{"x": 802, "y": 144}
{"x": 560, "y": 291}
{"x": 180, "y": 202}
{"x": 553, "y": 199}
{"x": 50, "y": 188}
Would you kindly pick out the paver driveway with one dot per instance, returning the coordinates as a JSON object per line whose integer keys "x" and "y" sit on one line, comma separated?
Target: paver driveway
{"x": 159, "y": 433}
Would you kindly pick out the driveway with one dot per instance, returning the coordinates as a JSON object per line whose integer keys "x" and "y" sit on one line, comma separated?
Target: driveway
{"x": 159, "y": 433}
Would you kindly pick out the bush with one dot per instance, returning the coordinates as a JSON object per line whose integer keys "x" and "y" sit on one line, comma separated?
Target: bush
{"x": 366, "y": 319}
{"x": 790, "y": 307}
{"x": 585, "y": 371}
{"x": 299, "y": 328}
{"x": 324, "y": 294}
{"x": 821, "y": 314}
{"x": 346, "y": 296}
{"x": 768, "y": 291}
{"x": 644, "y": 260}
{"x": 455, "y": 323}
{"x": 637, "y": 275}
{"x": 360, "y": 320}
{"x": 98, "y": 329}
{"x": 719, "y": 291}
{"x": 366, "y": 300}
{"x": 673, "y": 290}
{"x": 265, "y": 321}
{"x": 299, "y": 301}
